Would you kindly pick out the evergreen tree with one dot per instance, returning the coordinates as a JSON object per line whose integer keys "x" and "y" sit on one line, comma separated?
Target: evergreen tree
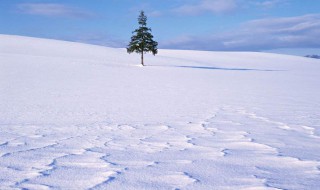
{"x": 142, "y": 40}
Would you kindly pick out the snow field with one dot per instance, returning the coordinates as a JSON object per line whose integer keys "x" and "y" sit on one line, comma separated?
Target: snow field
{"x": 75, "y": 116}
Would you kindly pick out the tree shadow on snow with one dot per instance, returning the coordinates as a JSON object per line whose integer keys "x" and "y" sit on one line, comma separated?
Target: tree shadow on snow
{"x": 216, "y": 68}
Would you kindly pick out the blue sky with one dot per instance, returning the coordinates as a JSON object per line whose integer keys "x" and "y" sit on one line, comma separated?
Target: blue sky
{"x": 227, "y": 25}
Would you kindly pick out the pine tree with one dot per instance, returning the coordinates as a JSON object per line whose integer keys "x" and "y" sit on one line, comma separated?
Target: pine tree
{"x": 142, "y": 40}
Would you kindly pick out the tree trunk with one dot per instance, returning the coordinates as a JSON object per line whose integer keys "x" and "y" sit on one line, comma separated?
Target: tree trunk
{"x": 142, "y": 59}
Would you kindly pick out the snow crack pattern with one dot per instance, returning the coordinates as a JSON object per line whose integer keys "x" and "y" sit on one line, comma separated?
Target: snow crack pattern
{"x": 234, "y": 149}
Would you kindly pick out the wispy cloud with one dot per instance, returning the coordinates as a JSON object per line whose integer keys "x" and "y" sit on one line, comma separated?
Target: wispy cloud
{"x": 52, "y": 10}
{"x": 271, "y": 3}
{"x": 262, "y": 34}
{"x": 203, "y": 6}
{"x": 199, "y": 7}
{"x": 99, "y": 39}
{"x": 155, "y": 13}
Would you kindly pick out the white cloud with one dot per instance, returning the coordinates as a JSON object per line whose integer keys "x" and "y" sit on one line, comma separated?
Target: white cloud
{"x": 285, "y": 25}
{"x": 155, "y": 14}
{"x": 198, "y": 7}
{"x": 262, "y": 34}
{"x": 271, "y": 3}
{"x": 99, "y": 39}
{"x": 52, "y": 10}
{"x": 212, "y": 6}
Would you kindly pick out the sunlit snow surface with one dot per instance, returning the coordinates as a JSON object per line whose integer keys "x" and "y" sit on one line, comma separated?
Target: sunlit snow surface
{"x": 75, "y": 116}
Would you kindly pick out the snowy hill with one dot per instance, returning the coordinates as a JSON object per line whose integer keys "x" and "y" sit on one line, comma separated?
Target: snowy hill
{"x": 77, "y": 116}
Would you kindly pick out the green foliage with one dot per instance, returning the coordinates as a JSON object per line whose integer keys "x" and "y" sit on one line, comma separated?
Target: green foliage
{"x": 142, "y": 39}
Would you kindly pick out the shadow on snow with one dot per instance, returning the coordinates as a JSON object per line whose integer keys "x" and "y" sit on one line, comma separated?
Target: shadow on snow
{"x": 215, "y": 68}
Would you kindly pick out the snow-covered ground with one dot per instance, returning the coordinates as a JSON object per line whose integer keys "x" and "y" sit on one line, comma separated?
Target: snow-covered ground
{"x": 76, "y": 116}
